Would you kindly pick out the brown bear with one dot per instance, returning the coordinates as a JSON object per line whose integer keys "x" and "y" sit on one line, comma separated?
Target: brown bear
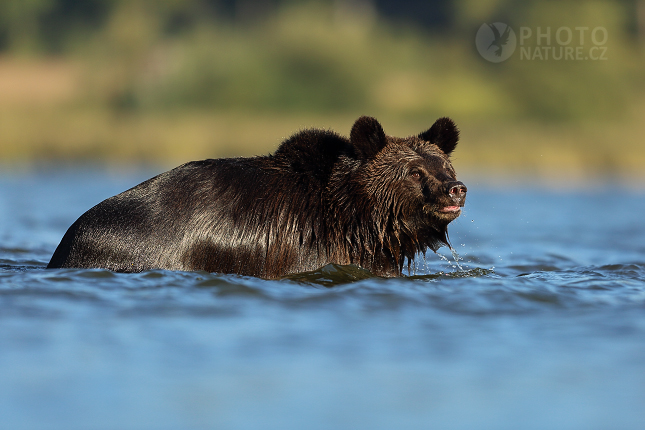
{"x": 372, "y": 200}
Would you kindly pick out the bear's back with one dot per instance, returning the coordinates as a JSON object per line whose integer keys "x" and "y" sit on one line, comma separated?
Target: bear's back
{"x": 314, "y": 153}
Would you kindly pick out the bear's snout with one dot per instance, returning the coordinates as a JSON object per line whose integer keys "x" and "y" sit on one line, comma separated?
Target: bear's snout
{"x": 456, "y": 190}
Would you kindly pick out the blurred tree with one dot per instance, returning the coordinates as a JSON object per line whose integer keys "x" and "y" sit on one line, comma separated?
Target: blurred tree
{"x": 640, "y": 19}
{"x": 19, "y": 23}
{"x": 69, "y": 22}
{"x": 433, "y": 15}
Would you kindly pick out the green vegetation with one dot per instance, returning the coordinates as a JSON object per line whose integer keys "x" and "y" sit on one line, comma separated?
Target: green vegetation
{"x": 171, "y": 80}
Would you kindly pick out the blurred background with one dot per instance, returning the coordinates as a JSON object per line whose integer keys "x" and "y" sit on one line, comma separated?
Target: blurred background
{"x": 161, "y": 82}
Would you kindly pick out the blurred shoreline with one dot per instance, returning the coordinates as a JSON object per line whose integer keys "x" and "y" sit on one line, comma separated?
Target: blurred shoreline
{"x": 133, "y": 92}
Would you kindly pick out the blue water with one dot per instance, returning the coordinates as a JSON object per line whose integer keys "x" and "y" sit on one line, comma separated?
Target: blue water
{"x": 542, "y": 327}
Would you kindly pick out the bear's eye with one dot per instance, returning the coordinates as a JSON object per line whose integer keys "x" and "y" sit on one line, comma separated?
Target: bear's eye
{"x": 416, "y": 176}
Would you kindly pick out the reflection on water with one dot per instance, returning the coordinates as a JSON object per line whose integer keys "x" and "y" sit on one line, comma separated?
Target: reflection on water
{"x": 536, "y": 322}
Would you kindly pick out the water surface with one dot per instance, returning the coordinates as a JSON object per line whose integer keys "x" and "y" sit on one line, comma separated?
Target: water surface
{"x": 540, "y": 325}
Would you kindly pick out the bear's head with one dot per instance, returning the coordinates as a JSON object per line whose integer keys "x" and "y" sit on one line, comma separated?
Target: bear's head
{"x": 409, "y": 186}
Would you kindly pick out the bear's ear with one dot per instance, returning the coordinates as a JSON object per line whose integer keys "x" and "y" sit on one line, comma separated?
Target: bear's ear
{"x": 368, "y": 137}
{"x": 443, "y": 133}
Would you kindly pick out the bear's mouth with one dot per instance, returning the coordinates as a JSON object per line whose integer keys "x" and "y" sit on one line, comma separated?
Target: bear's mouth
{"x": 446, "y": 213}
{"x": 450, "y": 209}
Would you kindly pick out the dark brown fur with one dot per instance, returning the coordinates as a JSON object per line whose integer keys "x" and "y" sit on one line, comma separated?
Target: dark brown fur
{"x": 371, "y": 200}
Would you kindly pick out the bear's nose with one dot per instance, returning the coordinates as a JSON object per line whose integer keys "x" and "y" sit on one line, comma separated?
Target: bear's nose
{"x": 455, "y": 189}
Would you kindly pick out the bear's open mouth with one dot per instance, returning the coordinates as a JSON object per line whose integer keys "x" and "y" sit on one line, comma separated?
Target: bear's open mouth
{"x": 450, "y": 209}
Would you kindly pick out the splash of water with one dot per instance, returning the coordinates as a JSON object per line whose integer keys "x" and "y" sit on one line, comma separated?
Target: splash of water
{"x": 419, "y": 269}
{"x": 457, "y": 258}
{"x": 414, "y": 266}
{"x": 454, "y": 264}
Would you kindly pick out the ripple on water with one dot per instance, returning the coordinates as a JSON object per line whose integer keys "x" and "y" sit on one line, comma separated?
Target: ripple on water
{"x": 514, "y": 289}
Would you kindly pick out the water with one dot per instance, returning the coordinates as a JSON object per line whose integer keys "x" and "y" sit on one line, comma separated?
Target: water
{"x": 540, "y": 324}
